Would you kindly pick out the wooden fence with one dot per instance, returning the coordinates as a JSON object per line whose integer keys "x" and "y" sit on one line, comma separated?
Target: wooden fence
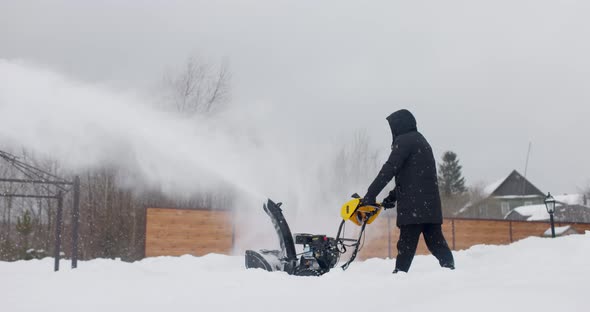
{"x": 174, "y": 232}
{"x": 460, "y": 234}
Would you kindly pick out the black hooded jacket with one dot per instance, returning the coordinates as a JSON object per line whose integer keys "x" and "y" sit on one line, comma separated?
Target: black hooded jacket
{"x": 412, "y": 164}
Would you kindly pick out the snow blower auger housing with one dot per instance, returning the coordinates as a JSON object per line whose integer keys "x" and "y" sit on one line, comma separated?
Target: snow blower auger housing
{"x": 320, "y": 252}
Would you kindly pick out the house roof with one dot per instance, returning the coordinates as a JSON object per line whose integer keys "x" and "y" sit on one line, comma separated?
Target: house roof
{"x": 513, "y": 185}
{"x": 489, "y": 189}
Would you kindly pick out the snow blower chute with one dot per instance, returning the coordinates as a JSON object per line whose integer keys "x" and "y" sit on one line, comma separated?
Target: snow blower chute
{"x": 320, "y": 252}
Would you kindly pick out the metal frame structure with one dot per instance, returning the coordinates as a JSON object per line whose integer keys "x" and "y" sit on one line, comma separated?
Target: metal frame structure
{"x": 56, "y": 188}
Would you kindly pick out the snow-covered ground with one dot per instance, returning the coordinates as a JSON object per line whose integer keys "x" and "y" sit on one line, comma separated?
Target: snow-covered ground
{"x": 536, "y": 274}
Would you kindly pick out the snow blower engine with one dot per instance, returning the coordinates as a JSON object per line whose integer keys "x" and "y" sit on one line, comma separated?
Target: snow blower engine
{"x": 320, "y": 252}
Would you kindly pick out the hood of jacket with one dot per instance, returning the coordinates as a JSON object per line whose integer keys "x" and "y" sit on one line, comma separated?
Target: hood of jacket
{"x": 401, "y": 122}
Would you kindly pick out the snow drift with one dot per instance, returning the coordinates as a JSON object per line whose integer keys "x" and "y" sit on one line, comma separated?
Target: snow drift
{"x": 535, "y": 274}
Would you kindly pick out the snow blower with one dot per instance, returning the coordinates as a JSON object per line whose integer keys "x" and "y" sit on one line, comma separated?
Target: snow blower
{"x": 320, "y": 252}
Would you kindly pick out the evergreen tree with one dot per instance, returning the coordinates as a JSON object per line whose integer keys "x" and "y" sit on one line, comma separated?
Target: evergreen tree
{"x": 24, "y": 227}
{"x": 450, "y": 178}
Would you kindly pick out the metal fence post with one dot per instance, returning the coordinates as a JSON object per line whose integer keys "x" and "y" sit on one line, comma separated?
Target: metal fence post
{"x": 58, "y": 226}
{"x": 453, "y": 231}
{"x": 75, "y": 222}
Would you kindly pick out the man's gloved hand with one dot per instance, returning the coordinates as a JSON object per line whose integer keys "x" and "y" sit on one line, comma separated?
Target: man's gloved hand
{"x": 368, "y": 201}
{"x": 390, "y": 200}
{"x": 388, "y": 203}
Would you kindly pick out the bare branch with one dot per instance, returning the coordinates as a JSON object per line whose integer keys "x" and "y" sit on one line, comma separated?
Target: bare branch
{"x": 198, "y": 88}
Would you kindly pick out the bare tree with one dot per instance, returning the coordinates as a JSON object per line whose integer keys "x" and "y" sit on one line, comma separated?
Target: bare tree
{"x": 477, "y": 192}
{"x": 197, "y": 88}
{"x": 452, "y": 205}
{"x": 7, "y": 204}
{"x": 355, "y": 163}
{"x": 200, "y": 88}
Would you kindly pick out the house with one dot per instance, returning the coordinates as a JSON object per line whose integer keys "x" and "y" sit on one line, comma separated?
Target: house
{"x": 502, "y": 197}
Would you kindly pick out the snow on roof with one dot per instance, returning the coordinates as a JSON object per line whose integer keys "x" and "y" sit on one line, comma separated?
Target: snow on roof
{"x": 534, "y": 212}
{"x": 517, "y": 196}
{"x": 570, "y": 199}
{"x": 558, "y": 230}
{"x": 488, "y": 190}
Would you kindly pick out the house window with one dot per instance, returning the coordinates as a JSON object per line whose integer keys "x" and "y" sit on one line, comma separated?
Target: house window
{"x": 505, "y": 207}
{"x": 528, "y": 203}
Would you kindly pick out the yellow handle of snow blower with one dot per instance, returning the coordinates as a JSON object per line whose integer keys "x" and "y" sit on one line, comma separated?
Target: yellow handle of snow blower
{"x": 351, "y": 211}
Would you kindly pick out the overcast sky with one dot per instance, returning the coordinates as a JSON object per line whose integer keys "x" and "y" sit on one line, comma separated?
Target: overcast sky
{"x": 484, "y": 78}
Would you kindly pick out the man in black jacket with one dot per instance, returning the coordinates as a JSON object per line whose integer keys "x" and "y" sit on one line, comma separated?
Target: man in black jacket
{"x": 416, "y": 192}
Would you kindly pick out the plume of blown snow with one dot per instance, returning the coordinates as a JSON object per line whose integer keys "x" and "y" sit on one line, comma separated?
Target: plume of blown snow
{"x": 85, "y": 126}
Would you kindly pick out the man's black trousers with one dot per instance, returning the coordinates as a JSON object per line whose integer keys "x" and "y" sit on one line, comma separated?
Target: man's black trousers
{"x": 433, "y": 236}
